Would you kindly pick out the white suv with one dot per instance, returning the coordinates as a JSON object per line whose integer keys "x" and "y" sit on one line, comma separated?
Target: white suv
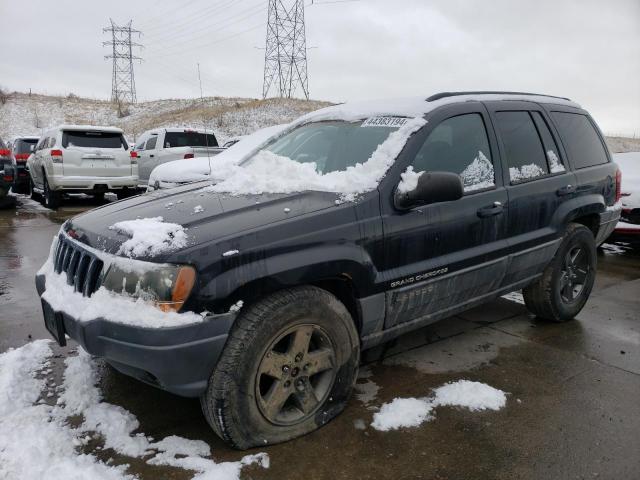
{"x": 82, "y": 159}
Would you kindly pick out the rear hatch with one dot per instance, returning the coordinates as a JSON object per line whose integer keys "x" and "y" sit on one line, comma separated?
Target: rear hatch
{"x": 22, "y": 149}
{"x": 95, "y": 153}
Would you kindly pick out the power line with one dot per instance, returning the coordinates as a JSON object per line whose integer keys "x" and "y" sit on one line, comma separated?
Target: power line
{"x": 123, "y": 85}
{"x": 285, "y": 57}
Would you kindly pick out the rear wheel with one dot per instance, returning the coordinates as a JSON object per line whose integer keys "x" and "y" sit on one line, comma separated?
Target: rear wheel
{"x": 288, "y": 367}
{"x": 51, "y": 197}
{"x": 566, "y": 283}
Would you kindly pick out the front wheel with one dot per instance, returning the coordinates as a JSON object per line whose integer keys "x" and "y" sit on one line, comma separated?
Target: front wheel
{"x": 288, "y": 367}
{"x": 566, "y": 283}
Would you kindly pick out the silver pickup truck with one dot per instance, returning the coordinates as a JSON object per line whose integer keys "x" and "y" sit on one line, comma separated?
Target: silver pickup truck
{"x": 161, "y": 145}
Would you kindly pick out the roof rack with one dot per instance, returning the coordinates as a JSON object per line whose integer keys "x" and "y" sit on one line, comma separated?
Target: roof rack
{"x": 440, "y": 95}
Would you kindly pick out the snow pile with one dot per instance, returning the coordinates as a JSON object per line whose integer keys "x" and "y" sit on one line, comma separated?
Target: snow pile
{"x": 554, "y": 162}
{"x": 526, "y": 172}
{"x": 230, "y": 253}
{"x": 479, "y": 174}
{"x": 408, "y": 180}
{"x": 150, "y": 236}
{"x": 268, "y": 172}
{"x": 37, "y": 441}
{"x": 402, "y": 412}
{"x": 412, "y": 412}
{"x": 107, "y": 305}
{"x": 472, "y": 395}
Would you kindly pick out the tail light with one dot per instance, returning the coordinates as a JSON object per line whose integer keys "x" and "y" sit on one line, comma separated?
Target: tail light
{"x": 7, "y": 177}
{"x": 56, "y": 156}
{"x": 618, "y": 185}
{"x": 134, "y": 156}
{"x": 4, "y": 152}
{"x": 22, "y": 156}
{"x": 188, "y": 155}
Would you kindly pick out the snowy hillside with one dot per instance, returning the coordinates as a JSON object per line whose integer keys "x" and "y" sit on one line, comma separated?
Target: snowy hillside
{"x": 24, "y": 114}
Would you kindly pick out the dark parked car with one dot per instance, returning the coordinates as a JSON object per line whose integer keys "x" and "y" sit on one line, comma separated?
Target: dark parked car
{"x": 265, "y": 301}
{"x": 21, "y": 148}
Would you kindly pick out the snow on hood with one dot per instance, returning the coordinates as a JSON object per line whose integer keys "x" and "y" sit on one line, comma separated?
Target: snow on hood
{"x": 271, "y": 173}
{"x": 150, "y": 236}
{"x": 193, "y": 170}
{"x": 629, "y": 164}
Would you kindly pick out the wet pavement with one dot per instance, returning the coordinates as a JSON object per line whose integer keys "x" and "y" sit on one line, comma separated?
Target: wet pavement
{"x": 573, "y": 408}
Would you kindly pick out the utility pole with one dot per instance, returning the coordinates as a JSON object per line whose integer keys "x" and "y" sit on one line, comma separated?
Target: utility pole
{"x": 123, "y": 85}
{"x": 285, "y": 57}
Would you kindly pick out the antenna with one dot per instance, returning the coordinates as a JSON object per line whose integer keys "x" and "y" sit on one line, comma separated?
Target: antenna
{"x": 285, "y": 56}
{"x": 206, "y": 135}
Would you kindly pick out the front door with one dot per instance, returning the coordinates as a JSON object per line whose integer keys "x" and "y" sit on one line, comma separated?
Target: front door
{"x": 444, "y": 255}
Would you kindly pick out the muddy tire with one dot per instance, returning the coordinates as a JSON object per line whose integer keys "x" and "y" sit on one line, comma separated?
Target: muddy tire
{"x": 51, "y": 197}
{"x": 288, "y": 367}
{"x": 566, "y": 284}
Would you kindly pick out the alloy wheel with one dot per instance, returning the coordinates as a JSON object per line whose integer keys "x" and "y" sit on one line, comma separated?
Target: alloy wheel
{"x": 574, "y": 274}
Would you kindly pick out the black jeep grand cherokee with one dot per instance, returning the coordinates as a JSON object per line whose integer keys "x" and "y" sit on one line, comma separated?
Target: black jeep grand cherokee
{"x": 490, "y": 193}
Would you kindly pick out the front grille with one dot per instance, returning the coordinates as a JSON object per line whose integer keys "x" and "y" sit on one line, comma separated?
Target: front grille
{"x": 81, "y": 267}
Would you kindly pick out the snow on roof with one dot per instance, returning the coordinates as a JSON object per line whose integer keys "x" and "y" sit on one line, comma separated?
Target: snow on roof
{"x": 91, "y": 128}
{"x": 415, "y": 106}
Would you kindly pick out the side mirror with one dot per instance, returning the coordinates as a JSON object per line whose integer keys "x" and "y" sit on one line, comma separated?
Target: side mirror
{"x": 433, "y": 187}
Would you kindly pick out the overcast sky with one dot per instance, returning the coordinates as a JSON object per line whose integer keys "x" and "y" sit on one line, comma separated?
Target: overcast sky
{"x": 588, "y": 50}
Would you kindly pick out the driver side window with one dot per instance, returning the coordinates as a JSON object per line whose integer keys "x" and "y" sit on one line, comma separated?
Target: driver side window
{"x": 459, "y": 145}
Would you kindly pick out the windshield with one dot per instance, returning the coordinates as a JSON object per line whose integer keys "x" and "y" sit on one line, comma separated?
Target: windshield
{"x": 329, "y": 146}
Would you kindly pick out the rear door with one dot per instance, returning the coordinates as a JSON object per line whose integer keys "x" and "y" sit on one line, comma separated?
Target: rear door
{"x": 444, "y": 255}
{"x": 95, "y": 153}
{"x": 538, "y": 183}
{"x": 148, "y": 157}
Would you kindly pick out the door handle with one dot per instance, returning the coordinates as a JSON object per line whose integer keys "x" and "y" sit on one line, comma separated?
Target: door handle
{"x": 566, "y": 190}
{"x": 150, "y": 156}
{"x": 494, "y": 209}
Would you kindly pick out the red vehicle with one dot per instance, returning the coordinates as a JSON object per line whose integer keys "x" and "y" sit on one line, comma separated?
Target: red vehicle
{"x": 21, "y": 148}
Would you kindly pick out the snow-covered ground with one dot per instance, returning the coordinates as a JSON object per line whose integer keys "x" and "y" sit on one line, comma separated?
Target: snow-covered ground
{"x": 412, "y": 412}
{"x": 38, "y": 440}
{"x": 25, "y": 114}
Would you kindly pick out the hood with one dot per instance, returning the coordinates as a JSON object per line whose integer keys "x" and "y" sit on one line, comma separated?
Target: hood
{"x": 206, "y": 217}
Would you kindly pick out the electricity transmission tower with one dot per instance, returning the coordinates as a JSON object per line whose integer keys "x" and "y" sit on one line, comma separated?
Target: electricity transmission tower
{"x": 285, "y": 58}
{"x": 123, "y": 85}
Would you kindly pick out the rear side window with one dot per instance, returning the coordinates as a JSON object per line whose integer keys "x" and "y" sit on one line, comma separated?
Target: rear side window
{"x": 523, "y": 148}
{"x": 151, "y": 143}
{"x": 581, "y": 139}
{"x": 92, "y": 139}
{"x": 189, "y": 139}
{"x": 550, "y": 146}
{"x": 459, "y": 145}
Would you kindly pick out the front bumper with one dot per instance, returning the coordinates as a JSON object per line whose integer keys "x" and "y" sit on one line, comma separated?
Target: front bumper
{"x": 176, "y": 359}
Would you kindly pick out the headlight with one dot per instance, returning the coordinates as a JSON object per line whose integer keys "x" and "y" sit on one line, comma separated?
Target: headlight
{"x": 168, "y": 286}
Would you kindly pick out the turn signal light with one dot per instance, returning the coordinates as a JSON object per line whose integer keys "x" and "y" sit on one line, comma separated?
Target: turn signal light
{"x": 181, "y": 290}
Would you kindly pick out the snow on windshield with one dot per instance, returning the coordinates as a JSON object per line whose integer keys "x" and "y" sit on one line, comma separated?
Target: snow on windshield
{"x": 150, "y": 236}
{"x": 269, "y": 172}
